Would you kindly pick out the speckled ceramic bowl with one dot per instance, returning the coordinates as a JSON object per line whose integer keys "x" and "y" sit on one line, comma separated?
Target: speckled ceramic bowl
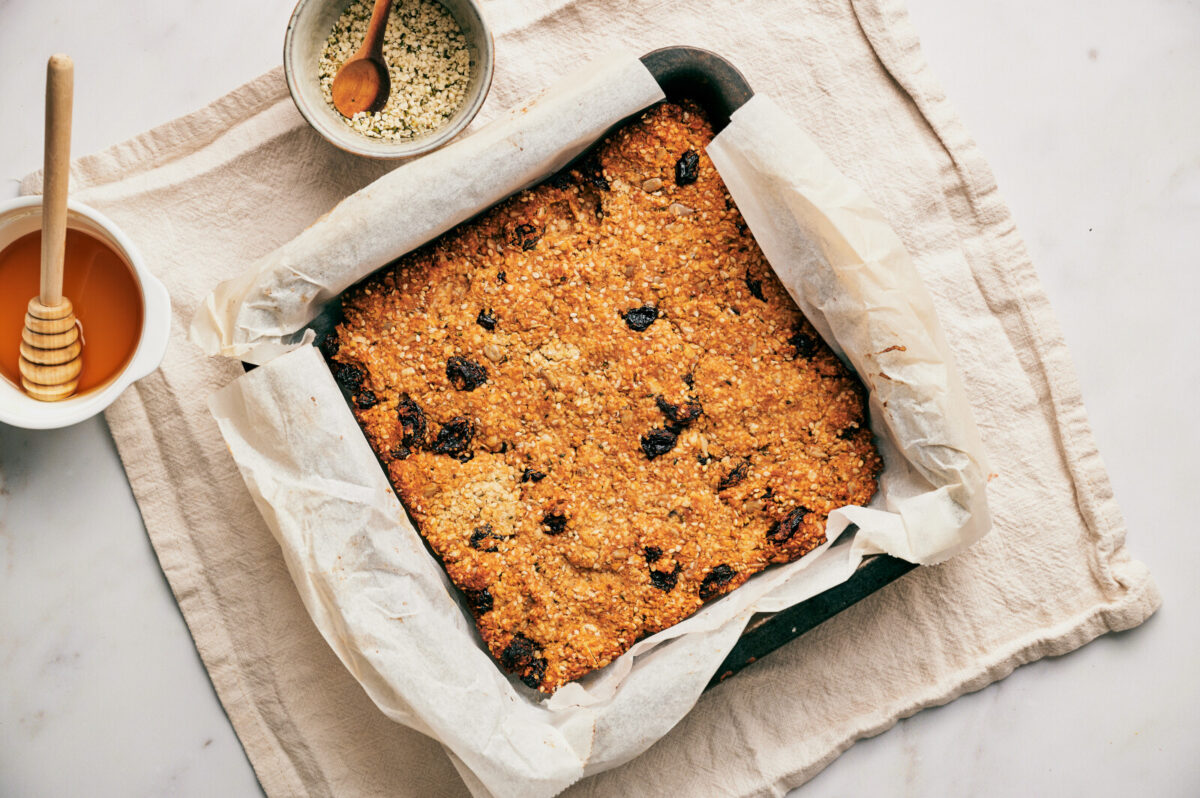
{"x": 307, "y": 33}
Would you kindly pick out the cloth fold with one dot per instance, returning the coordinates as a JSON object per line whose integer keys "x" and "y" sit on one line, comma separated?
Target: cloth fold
{"x": 205, "y": 195}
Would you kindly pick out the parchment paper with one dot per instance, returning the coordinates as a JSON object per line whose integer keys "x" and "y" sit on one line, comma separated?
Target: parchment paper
{"x": 259, "y": 314}
{"x": 383, "y": 603}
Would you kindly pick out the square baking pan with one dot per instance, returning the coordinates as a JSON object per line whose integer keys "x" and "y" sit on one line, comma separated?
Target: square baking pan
{"x": 720, "y": 89}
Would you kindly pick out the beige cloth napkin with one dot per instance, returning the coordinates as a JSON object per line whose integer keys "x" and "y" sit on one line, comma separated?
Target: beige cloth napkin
{"x": 206, "y": 194}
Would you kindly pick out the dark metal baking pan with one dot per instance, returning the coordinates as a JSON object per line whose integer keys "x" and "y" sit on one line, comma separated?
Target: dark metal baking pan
{"x": 720, "y": 89}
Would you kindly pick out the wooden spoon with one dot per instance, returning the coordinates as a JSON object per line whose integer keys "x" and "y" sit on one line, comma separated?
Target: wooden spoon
{"x": 50, "y": 344}
{"x": 362, "y": 84}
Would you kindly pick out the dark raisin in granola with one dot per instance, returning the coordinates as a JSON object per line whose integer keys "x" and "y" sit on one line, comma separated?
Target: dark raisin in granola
{"x": 805, "y": 344}
{"x": 658, "y": 442}
{"x": 689, "y": 380}
{"x": 687, "y": 168}
{"x": 537, "y": 671}
{"x": 665, "y": 580}
{"x": 330, "y": 345}
{"x": 412, "y": 423}
{"x": 735, "y": 476}
{"x": 529, "y": 475}
{"x": 653, "y": 553}
{"x": 520, "y": 656}
{"x": 480, "y": 601}
{"x": 554, "y": 523}
{"x": 783, "y": 531}
{"x": 525, "y": 236}
{"x": 592, "y": 172}
{"x": 679, "y": 416}
{"x": 638, "y": 319}
{"x": 454, "y": 439}
{"x": 349, "y": 377}
{"x": 484, "y": 538}
{"x": 560, "y": 179}
{"x": 365, "y": 399}
{"x": 464, "y": 374}
{"x": 715, "y": 582}
{"x": 755, "y": 287}
{"x": 486, "y": 319}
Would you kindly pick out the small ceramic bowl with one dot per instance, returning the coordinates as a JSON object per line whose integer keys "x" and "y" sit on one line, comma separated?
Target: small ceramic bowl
{"x": 24, "y": 215}
{"x": 307, "y": 33}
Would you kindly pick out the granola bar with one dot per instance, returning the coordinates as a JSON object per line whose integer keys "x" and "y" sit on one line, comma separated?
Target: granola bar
{"x": 600, "y": 406}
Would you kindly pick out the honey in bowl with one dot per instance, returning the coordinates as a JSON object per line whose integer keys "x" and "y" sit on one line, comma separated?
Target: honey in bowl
{"x": 103, "y": 289}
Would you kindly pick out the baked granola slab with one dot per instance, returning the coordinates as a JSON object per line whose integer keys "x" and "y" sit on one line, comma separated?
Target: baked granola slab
{"x": 599, "y": 405}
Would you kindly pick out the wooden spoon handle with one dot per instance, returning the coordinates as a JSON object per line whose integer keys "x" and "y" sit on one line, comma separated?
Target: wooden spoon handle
{"x": 372, "y": 46}
{"x": 60, "y": 90}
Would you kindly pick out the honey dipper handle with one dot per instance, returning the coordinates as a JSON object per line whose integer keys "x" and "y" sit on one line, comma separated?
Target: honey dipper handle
{"x": 60, "y": 90}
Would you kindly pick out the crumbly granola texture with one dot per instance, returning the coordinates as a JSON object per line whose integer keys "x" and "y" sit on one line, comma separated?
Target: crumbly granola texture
{"x": 599, "y": 405}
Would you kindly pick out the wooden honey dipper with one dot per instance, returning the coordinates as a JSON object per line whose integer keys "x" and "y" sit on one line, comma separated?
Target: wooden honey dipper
{"x": 51, "y": 347}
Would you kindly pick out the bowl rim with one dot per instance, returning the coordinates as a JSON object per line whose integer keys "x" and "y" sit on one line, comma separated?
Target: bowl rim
{"x": 357, "y": 144}
{"x": 19, "y": 410}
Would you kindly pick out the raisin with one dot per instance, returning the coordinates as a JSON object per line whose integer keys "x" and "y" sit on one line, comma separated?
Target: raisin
{"x": 658, "y": 442}
{"x": 521, "y": 656}
{"x": 735, "y": 476}
{"x": 755, "y": 287}
{"x": 529, "y": 475}
{"x": 537, "y": 671}
{"x": 703, "y": 459}
{"x": 480, "y": 601}
{"x": 679, "y": 416}
{"x": 687, "y": 168}
{"x": 592, "y": 172}
{"x": 465, "y": 375}
{"x": 805, "y": 344}
{"x": 653, "y": 553}
{"x": 638, "y": 319}
{"x": 412, "y": 423}
{"x": 330, "y": 345}
{"x": 366, "y": 399}
{"x": 782, "y": 531}
{"x": 560, "y": 180}
{"x": 454, "y": 439}
{"x": 502, "y": 276}
{"x": 524, "y": 236}
{"x": 349, "y": 377}
{"x": 484, "y": 538}
{"x": 664, "y": 580}
{"x": 689, "y": 380}
{"x": 554, "y": 523}
{"x": 715, "y": 582}
{"x": 400, "y": 453}
{"x": 486, "y": 320}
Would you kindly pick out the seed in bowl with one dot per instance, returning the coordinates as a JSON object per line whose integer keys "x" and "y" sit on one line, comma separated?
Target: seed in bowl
{"x": 428, "y": 60}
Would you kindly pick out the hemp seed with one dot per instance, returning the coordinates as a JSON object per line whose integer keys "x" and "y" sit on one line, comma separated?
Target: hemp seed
{"x": 429, "y": 65}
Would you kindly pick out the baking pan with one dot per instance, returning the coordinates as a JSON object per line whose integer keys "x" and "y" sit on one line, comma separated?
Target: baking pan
{"x": 720, "y": 89}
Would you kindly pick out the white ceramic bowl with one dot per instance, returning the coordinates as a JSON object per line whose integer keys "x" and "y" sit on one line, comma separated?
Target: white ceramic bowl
{"x": 24, "y": 215}
{"x": 307, "y": 33}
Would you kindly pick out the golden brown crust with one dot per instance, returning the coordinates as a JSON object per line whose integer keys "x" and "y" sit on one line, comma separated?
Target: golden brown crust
{"x": 678, "y": 460}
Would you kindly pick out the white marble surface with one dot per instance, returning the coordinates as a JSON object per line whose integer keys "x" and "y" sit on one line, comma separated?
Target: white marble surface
{"x": 1090, "y": 116}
